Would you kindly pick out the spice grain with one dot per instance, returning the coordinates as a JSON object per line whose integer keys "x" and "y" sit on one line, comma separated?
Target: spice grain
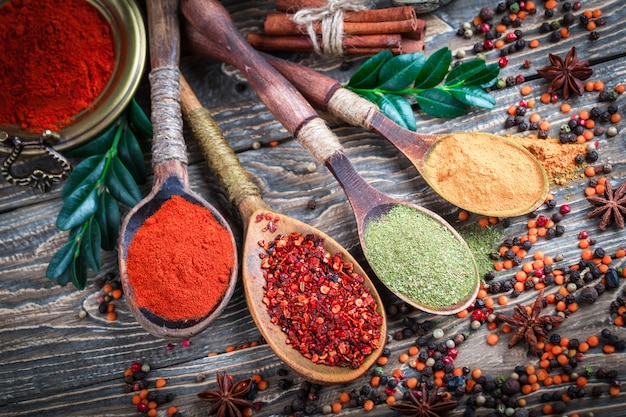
{"x": 180, "y": 261}
{"x": 420, "y": 259}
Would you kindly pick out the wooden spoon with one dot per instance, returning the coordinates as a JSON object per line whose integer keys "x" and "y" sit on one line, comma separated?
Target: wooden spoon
{"x": 209, "y": 18}
{"x": 257, "y": 216}
{"x": 327, "y": 94}
{"x": 170, "y": 172}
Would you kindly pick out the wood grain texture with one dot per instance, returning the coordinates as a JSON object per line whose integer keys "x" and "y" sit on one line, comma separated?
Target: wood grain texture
{"x": 54, "y": 364}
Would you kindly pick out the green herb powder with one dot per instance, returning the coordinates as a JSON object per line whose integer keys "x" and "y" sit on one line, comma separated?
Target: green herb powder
{"x": 420, "y": 259}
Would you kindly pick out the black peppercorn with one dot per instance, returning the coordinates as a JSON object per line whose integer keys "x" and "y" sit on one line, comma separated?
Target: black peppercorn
{"x": 555, "y": 36}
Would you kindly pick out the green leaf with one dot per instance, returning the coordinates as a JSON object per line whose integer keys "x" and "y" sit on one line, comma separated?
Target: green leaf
{"x": 131, "y": 155}
{"x": 400, "y": 71}
{"x": 439, "y": 103}
{"x": 61, "y": 261}
{"x": 121, "y": 185}
{"x": 398, "y": 109}
{"x": 473, "y": 96}
{"x": 486, "y": 78}
{"x": 108, "y": 218}
{"x": 97, "y": 146}
{"x": 79, "y": 272}
{"x": 465, "y": 70}
{"x": 367, "y": 74}
{"x": 78, "y": 207}
{"x": 88, "y": 171}
{"x": 139, "y": 119}
{"x": 90, "y": 245}
{"x": 435, "y": 69}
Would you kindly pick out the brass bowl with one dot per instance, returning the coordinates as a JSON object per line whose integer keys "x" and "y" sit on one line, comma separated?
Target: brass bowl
{"x": 129, "y": 37}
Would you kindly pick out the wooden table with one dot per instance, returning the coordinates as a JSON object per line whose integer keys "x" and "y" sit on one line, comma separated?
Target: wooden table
{"x": 55, "y": 364}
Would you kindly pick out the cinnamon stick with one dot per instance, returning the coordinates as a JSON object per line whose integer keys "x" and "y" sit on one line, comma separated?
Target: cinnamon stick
{"x": 281, "y": 24}
{"x": 368, "y": 15}
{"x": 353, "y": 45}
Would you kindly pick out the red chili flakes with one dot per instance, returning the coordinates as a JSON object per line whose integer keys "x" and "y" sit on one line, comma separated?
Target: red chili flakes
{"x": 320, "y": 303}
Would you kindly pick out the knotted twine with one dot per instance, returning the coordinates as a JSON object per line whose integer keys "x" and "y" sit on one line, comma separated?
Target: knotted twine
{"x": 330, "y": 18}
{"x": 168, "y": 142}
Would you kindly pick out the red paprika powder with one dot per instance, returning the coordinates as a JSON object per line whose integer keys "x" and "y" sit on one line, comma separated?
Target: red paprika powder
{"x": 180, "y": 260}
{"x": 55, "y": 59}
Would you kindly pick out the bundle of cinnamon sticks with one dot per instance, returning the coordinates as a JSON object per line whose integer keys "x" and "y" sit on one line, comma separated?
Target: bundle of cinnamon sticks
{"x": 365, "y": 32}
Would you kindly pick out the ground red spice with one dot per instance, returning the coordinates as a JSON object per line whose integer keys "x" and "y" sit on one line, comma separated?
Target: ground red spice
{"x": 55, "y": 59}
{"x": 180, "y": 260}
{"x": 319, "y": 301}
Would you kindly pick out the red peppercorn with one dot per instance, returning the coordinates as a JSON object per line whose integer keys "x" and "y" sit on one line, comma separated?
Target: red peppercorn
{"x": 542, "y": 220}
{"x": 503, "y": 62}
{"x": 565, "y": 208}
{"x": 448, "y": 359}
{"x": 142, "y": 408}
{"x": 523, "y": 103}
{"x": 519, "y": 78}
{"x": 539, "y": 272}
{"x": 511, "y": 37}
{"x": 453, "y": 352}
{"x": 135, "y": 367}
{"x": 488, "y": 44}
{"x": 484, "y": 27}
{"x": 583, "y": 234}
{"x": 477, "y": 315}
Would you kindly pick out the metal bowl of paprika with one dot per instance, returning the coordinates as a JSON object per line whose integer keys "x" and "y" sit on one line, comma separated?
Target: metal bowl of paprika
{"x": 70, "y": 70}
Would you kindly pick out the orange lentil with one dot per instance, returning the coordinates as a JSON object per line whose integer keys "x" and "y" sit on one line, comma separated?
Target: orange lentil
{"x": 152, "y": 405}
{"x": 492, "y": 339}
{"x": 560, "y": 306}
{"x": 456, "y": 372}
{"x": 596, "y": 13}
{"x": 499, "y": 43}
{"x": 564, "y": 32}
{"x": 368, "y": 405}
{"x": 565, "y": 108}
{"x": 591, "y": 25}
{"x": 603, "y": 268}
{"x": 544, "y": 125}
{"x": 344, "y": 397}
{"x": 152, "y": 412}
{"x": 534, "y": 118}
{"x": 112, "y": 316}
{"x": 593, "y": 341}
{"x": 116, "y": 294}
{"x": 608, "y": 349}
{"x": 521, "y": 14}
{"x": 545, "y": 98}
{"x": 550, "y": 298}
{"x": 572, "y": 307}
{"x": 262, "y": 385}
{"x": 526, "y": 90}
{"x": 527, "y": 389}
{"x": 482, "y": 293}
{"x": 557, "y": 379}
{"x": 547, "y": 409}
{"x": 506, "y": 328}
{"x": 534, "y": 43}
{"x": 390, "y": 400}
{"x": 583, "y": 244}
{"x": 589, "y": 190}
{"x": 503, "y": 300}
{"x": 614, "y": 390}
{"x": 598, "y": 85}
{"x": 477, "y": 20}
{"x": 483, "y": 222}
{"x": 411, "y": 383}
{"x": 403, "y": 358}
{"x": 615, "y": 118}
{"x": 588, "y": 135}
{"x": 336, "y": 407}
{"x": 382, "y": 361}
{"x": 171, "y": 410}
{"x": 590, "y": 124}
{"x": 542, "y": 373}
{"x": 512, "y": 110}
{"x": 500, "y": 28}
{"x": 559, "y": 279}
{"x": 531, "y": 103}
{"x": 107, "y": 288}
{"x": 589, "y": 86}
{"x": 508, "y": 264}
{"x": 519, "y": 286}
{"x": 562, "y": 359}
{"x": 135, "y": 399}
{"x": 375, "y": 381}
{"x": 588, "y": 14}
{"x": 469, "y": 385}
{"x": 550, "y": 4}
{"x": 413, "y": 350}
{"x": 619, "y": 88}
{"x": 462, "y": 216}
{"x": 489, "y": 302}
{"x": 606, "y": 259}
{"x": 584, "y": 114}
{"x": 160, "y": 383}
{"x": 620, "y": 253}
{"x": 520, "y": 276}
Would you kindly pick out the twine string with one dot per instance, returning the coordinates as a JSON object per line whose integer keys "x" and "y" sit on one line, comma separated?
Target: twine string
{"x": 330, "y": 18}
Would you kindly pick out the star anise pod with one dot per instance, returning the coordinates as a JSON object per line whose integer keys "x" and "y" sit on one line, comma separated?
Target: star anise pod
{"x": 424, "y": 403}
{"x": 567, "y": 74}
{"x": 229, "y": 398}
{"x": 611, "y": 206}
{"x": 531, "y": 326}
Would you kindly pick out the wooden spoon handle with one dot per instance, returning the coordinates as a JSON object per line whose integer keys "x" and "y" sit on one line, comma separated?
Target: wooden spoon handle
{"x": 168, "y": 142}
{"x": 215, "y": 148}
{"x": 326, "y": 93}
{"x": 211, "y": 20}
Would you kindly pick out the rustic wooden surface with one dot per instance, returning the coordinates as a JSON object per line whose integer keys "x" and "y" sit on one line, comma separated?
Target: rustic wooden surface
{"x": 55, "y": 364}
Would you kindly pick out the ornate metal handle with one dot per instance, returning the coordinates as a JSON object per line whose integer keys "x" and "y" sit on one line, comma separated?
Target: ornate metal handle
{"x": 38, "y": 177}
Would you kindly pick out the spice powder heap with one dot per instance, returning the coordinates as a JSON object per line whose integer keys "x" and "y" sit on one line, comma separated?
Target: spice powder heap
{"x": 319, "y": 301}
{"x": 484, "y": 173}
{"x": 180, "y": 261}
{"x": 55, "y": 59}
{"x": 420, "y": 259}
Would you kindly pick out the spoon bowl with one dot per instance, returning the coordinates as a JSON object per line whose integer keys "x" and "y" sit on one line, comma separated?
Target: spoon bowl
{"x": 170, "y": 179}
{"x": 477, "y": 150}
{"x": 262, "y": 224}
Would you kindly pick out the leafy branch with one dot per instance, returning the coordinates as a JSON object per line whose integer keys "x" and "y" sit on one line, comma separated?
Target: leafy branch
{"x": 388, "y": 80}
{"x": 109, "y": 174}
